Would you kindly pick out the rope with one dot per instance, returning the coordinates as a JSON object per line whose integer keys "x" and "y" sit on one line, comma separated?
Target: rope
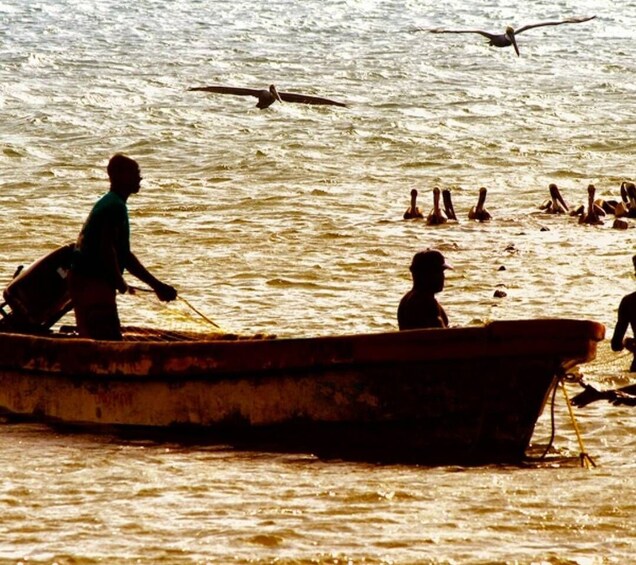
{"x": 135, "y": 289}
{"x": 208, "y": 320}
{"x": 552, "y": 423}
{"x": 586, "y": 460}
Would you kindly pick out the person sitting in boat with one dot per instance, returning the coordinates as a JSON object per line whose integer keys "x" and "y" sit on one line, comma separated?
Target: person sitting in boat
{"x": 419, "y": 308}
{"x": 102, "y": 253}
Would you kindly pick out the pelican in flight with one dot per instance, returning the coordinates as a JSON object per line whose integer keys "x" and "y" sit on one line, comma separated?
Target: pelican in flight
{"x": 267, "y": 96}
{"x": 508, "y": 38}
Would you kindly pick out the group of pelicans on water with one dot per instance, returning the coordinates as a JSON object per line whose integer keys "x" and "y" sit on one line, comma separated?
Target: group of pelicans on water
{"x": 593, "y": 214}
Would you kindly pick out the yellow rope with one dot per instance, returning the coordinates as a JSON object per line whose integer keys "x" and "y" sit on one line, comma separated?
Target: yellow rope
{"x": 208, "y": 320}
{"x": 134, "y": 289}
{"x": 586, "y": 460}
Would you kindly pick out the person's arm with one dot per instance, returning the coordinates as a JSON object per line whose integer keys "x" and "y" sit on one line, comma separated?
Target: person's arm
{"x": 164, "y": 292}
{"x": 622, "y": 323}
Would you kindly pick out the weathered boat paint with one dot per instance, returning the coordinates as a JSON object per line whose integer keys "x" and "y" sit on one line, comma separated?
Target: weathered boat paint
{"x": 468, "y": 395}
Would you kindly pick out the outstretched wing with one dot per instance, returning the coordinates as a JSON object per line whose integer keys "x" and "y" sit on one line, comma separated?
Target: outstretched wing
{"x": 480, "y": 32}
{"x": 568, "y": 21}
{"x": 307, "y": 99}
{"x": 228, "y": 90}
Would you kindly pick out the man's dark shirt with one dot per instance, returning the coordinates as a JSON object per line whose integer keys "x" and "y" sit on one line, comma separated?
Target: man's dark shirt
{"x": 418, "y": 310}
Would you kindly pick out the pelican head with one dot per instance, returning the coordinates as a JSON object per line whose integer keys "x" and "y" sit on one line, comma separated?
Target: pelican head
{"x": 510, "y": 35}
{"x": 274, "y": 92}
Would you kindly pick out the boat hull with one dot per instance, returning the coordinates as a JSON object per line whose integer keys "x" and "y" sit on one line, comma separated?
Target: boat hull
{"x": 467, "y": 395}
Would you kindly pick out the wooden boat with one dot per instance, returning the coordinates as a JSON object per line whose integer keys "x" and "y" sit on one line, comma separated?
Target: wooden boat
{"x": 462, "y": 395}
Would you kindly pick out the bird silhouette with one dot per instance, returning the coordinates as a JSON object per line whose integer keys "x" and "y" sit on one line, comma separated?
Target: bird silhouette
{"x": 627, "y": 204}
{"x": 413, "y": 211}
{"x": 556, "y": 204}
{"x": 508, "y": 38}
{"x": 449, "y": 209}
{"x": 267, "y": 96}
{"x": 436, "y": 216}
{"x": 478, "y": 212}
{"x": 593, "y": 214}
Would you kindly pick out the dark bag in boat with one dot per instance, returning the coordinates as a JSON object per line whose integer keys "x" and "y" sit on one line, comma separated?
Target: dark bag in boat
{"x": 38, "y": 295}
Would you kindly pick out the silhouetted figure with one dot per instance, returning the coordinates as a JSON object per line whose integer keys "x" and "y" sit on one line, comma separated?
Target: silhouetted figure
{"x": 102, "y": 253}
{"x": 419, "y": 308}
{"x": 626, "y": 319}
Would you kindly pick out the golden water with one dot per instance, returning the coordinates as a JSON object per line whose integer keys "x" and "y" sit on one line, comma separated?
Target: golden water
{"x": 289, "y": 221}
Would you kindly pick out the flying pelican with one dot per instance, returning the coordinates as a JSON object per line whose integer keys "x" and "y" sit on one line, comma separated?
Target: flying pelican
{"x": 478, "y": 212}
{"x": 267, "y": 96}
{"x": 509, "y": 36}
{"x": 413, "y": 211}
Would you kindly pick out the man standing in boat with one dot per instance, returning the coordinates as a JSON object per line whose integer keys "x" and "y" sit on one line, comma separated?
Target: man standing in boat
{"x": 419, "y": 308}
{"x": 102, "y": 253}
{"x": 626, "y": 319}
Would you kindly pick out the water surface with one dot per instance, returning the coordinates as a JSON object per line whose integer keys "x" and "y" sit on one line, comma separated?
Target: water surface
{"x": 289, "y": 221}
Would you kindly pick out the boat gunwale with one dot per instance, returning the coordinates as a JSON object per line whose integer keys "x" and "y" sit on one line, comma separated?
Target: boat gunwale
{"x": 568, "y": 341}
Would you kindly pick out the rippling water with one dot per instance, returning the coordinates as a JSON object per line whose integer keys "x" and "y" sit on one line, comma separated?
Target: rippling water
{"x": 289, "y": 221}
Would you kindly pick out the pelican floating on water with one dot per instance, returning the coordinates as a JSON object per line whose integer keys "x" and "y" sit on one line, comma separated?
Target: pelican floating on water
{"x": 478, "y": 212}
{"x": 267, "y": 96}
{"x": 436, "y": 216}
{"x": 556, "y": 204}
{"x": 627, "y": 205}
{"x": 413, "y": 211}
{"x": 508, "y": 38}
{"x": 448, "y": 204}
{"x": 592, "y": 217}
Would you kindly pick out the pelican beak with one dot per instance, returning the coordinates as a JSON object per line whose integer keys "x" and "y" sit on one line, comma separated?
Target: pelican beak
{"x": 273, "y": 90}
{"x": 510, "y": 34}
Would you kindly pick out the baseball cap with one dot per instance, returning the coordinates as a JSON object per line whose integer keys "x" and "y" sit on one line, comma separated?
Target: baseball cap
{"x": 429, "y": 260}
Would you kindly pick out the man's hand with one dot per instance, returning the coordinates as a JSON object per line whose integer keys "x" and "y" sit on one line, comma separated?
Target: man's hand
{"x": 165, "y": 292}
{"x": 630, "y": 344}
